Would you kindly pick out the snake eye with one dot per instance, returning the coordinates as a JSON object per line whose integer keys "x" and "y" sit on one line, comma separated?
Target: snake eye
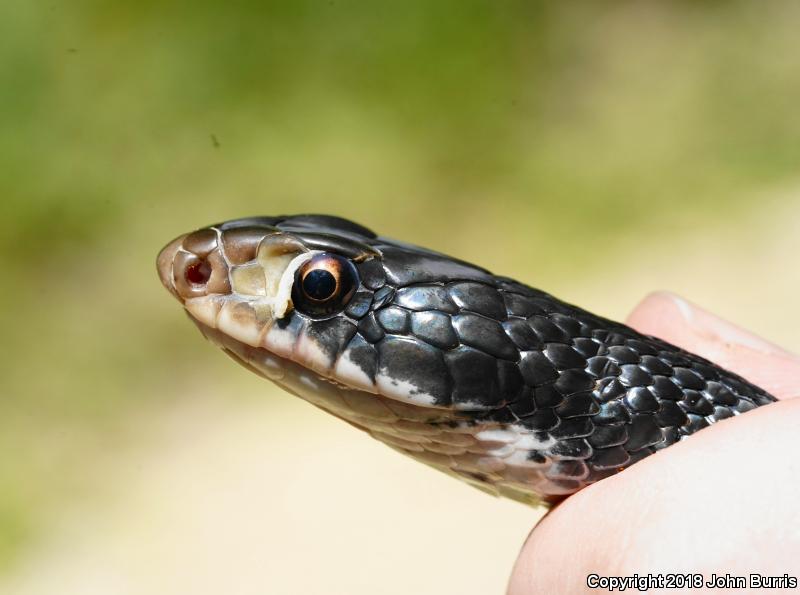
{"x": 324, "y": 285}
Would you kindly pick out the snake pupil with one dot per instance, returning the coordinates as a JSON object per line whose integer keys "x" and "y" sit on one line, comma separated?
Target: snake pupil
{"x": 198, "y": 273}
{"x": 319, "y": 284}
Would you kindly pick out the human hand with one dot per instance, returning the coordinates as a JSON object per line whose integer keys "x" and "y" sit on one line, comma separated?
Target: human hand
{"x": 727, "y": 500}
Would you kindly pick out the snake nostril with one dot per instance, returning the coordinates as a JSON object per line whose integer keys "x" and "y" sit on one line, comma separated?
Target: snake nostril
{"x": 198, "y": 273}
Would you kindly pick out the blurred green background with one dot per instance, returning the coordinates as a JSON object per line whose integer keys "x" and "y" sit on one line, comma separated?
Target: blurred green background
{"x": 595, "y": 149}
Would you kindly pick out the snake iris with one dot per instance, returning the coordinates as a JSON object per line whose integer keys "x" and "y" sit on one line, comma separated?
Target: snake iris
{"x": 480, "y": 376}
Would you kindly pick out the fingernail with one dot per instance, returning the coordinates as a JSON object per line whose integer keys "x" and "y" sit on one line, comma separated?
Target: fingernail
{"x": 712, "y": 327}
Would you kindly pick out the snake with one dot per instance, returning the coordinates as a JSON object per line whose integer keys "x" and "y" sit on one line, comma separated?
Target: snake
{"x": 485, "y": 378}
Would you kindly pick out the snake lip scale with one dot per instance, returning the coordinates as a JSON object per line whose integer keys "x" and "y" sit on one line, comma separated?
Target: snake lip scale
{"x": 479, "y": 376}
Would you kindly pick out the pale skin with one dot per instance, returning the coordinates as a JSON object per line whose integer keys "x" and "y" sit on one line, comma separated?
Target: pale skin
{"x": 726, "y": 500}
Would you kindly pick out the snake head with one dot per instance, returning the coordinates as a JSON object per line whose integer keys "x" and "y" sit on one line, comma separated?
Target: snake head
{"x": 326, "y": 294}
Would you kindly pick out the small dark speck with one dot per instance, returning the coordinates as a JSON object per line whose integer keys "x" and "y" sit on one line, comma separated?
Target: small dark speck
{"x": 72, "y": 50}
{"x": 477, "y": 476}
{"x": 215, "y": 141}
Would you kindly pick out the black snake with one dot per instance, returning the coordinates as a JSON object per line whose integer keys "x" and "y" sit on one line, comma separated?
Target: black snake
{"x": 480, "y": 376}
